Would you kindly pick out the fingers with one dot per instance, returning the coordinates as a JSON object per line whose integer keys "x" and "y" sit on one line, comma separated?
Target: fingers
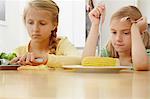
{"x": 22, "y": 60}
{"x": 142, "y": 18}
{"x": 97, "y": 13}
{"x": 45, "y": 59}
{"x": 41, "y": 59}
{"x": 94, "y": 13}
{"x": 88, "y": 8}
{"x": 141, "y": 24}
{"x": 101, "y": 8}
{"x": 15, "y": 60}
{"x": 32, "y": 55}
{"x": 38, "y": 59}
{"x": 32, "y": 59}
{"x": 28, "y": 58}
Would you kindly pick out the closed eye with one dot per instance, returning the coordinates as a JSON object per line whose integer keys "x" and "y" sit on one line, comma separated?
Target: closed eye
{"x": 43, "y": 23}
{"x": 113, "y": 32}
{"x": 126, "y": 33}
{"x": 30, "y": 22}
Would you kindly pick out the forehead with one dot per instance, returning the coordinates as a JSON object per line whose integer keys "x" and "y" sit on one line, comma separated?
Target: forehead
{"x": 116, "y": 24}
{"x": 36, "y": 13}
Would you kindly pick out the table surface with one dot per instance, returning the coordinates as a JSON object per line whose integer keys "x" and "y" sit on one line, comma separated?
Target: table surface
{"x": 60, "y": 84}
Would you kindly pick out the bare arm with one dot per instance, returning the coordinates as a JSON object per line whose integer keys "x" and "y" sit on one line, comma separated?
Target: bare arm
{"x": 90, "y": 46}
{"x": 139, "y": 55}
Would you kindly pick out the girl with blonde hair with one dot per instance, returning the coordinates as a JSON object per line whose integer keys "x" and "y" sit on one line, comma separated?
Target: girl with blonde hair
{"x": 129, "y": 37}
{"x": 41, "y": 21}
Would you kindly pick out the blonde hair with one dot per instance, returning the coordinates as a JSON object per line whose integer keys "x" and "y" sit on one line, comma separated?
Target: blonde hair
{"x": 53, "y": 10}
{"x": 134, "y": 13}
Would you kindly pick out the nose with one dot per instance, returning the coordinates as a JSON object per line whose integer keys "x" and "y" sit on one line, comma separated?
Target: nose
{"x": 36, "y": 28}
{"x": 119, "y": 37}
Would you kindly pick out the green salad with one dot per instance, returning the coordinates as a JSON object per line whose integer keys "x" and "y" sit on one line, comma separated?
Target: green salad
{"x": 7, "y": 56}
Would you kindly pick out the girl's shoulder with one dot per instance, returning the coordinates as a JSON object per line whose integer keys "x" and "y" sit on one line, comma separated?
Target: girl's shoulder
{"x": 20, "y": 50}
{"x": 22, "y": 47}
{"x": 65, "y": 47}
{"x": 62, "y": 40}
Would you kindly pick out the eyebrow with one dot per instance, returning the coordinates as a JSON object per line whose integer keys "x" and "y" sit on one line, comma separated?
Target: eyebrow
{"x": 121, "y": 30}
{"x": 43, "y": 20}
{"x": 112, "y": 29}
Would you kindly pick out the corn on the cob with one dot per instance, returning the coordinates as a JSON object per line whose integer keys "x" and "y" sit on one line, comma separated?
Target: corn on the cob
{"x": 100, "y": 61}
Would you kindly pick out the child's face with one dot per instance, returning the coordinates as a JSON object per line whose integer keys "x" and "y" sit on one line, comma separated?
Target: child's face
{"x": 121, "y": 36}
{"x": 39, "y": 24}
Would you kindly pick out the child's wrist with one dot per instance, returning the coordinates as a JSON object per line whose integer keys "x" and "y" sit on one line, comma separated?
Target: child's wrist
{"x": 135, "y": 28}
{"x": 95, "y": 24}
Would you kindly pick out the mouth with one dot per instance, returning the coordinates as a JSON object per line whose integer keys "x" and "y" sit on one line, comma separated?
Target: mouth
{"x": 119, "y": 45}
{"x": 36, "y": 35}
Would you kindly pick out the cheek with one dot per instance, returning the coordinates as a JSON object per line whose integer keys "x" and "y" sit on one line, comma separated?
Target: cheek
{"x": 128, "y": 41}
{"x": 29, "y": 29}
{"x": 46, "y": 29}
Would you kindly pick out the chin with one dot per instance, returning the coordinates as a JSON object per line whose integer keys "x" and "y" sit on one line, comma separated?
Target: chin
{"x": 36, "y": 40}
{"x": 121, "y": 50}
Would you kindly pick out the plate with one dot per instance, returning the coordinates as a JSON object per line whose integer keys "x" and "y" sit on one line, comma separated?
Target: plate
{"x": 9, "y": 67}
{"x": 80, "y": 68}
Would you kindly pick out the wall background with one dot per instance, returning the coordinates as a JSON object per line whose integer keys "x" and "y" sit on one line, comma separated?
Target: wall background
{"x": 71, "y": 21}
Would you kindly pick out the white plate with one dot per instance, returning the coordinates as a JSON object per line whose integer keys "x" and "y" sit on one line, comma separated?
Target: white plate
{"x": 80, "y": 68}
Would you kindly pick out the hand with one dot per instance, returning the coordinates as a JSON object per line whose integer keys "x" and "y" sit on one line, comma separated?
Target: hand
{"x": 141, "y": 24}
{"x": 97, "y": 13}
{"x": 30, "y": 59}
{"x": 35, "y": 58}
{"x": 14, "y": 60}
{"x": 88, "y": 8}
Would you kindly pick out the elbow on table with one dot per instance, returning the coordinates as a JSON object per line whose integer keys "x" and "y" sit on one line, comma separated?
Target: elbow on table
{"x": 142, "y": 67}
